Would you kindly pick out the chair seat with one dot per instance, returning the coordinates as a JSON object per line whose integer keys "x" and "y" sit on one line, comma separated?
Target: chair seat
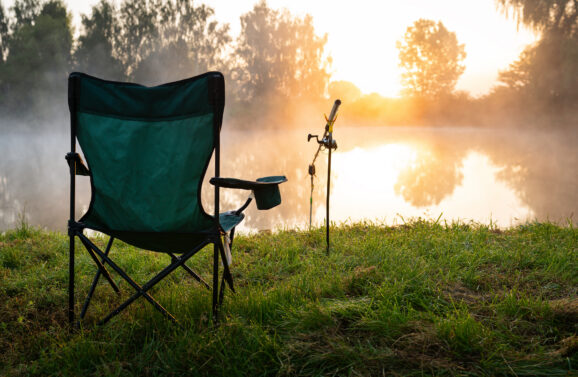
{"x": 171, "y": 242}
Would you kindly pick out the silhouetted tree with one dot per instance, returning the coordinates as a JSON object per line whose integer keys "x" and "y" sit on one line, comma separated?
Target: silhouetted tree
{"x": 345, "y": 90}
{"x": 546, "y": 73}
{"x": 432, "y": 177}
{"x": 279, "y": 56}
{"x": 3, "y": 33}
{"x": 25, "y": 12}
{"x": 518, "y": 75}
{"x": 95, "y": 53}
{"x": 151, "y": 41}
{"x": 184, "y": 41}
{"x": 38, "y": 57}
{"x": 559, "y": 16}
{"x": 432, "y": 59}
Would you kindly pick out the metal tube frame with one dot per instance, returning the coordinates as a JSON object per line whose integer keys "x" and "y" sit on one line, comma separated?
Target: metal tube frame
{"x": 75, "y": 230}
{"x": 330, "y": 139}
{"x": 327, "y": 142}
{"x": 95, "y": 281}
{"x": 217, "y": 226}
{"x": 141, "y": 290}
{"x": 72, "y": 170}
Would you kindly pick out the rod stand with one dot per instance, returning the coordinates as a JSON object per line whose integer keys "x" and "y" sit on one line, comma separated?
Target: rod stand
{"x": 330, "y": 144}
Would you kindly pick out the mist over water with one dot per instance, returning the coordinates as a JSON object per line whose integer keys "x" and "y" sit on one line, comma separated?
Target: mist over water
{"x": 387, "y": 174}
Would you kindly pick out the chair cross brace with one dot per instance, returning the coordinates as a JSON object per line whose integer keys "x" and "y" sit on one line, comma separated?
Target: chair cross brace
{"x": 140, "y": 290}
{"x": 95, "y": 281}
{"x": 175, "y": 258}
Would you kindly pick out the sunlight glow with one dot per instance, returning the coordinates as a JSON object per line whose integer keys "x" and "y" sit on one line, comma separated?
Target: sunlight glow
{"x": 372, "y": 174}
{"x": 363, "y": 184}
{"x": 362, "y": 35}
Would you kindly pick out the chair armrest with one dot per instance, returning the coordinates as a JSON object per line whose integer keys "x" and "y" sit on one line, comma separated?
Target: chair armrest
{"x": 266, "y": 189}
{"x": 234, "y": 183}
{"x": 81, "y": 169}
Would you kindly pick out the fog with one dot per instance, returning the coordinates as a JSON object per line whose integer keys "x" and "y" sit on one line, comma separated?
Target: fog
{"x": 539, "y": 168}
{"x": 522, "y": 135}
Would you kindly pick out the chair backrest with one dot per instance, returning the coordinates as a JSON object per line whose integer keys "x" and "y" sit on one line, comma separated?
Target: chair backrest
{"x": 147, "y": 149}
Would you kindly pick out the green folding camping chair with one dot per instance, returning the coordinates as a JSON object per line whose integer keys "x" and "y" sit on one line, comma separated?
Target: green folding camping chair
{"x": 147, "y": 151}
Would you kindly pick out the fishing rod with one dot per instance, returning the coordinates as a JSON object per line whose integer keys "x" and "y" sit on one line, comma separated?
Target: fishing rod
{"x": 328, "y": 143}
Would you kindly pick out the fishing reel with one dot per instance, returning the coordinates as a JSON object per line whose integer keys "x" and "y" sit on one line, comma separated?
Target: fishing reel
{"x": 328, "y": 143}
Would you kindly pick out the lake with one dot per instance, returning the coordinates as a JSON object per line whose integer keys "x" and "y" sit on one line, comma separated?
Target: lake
{"x": 382, "y": 174}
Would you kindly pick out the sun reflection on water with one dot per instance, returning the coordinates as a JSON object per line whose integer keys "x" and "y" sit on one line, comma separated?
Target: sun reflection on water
{"x": 363, "y": 184}
{"x": 366, "y": 185}
{"x": 383, "y": 174}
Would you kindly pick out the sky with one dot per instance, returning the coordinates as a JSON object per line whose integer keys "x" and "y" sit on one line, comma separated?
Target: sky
{"x": 362, "y": 35}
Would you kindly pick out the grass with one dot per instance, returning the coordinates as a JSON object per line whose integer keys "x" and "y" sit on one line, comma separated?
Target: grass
{"x": 419, "y": 299}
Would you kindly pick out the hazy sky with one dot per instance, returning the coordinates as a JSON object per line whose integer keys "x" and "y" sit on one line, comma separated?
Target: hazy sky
{"x": 362, "y": 35}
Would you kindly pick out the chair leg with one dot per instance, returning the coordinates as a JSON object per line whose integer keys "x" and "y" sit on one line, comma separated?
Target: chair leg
{"x": 142, "y": 291}
{"x": 71, "y": 279}
{"x": 222, "y": 289}
{"x": 226, "y": 271}
{"x": 174, "y": 258}
{"x": 90, "y": 247}
{"x": 216, "y": 281}
{"x": 95, "y": 281}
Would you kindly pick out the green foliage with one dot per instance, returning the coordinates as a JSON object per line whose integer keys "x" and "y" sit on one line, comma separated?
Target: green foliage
{"x": 546, "y": 73}
{"x": 3, "y": 33}
{"x": 432, "y": 59}
{"x": 420, "y": 298}
{"x": 95, "y": 52}
{"x": 462, "y": 333}
{"x": 25, "y": 12}
{"x": 188, "y": 42}
{"x": 150, "y": 41}
{"x": 557, "y": 16}
{"x": 38, "y": 56}
{"x": 280, "y": 55}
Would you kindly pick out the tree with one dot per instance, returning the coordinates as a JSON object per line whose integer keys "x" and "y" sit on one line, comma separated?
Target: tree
{"x": 344, "y": 90}
{"x": 279, "y": 56}
{"x": 38, "y": 57}
{"x": 547, "y": 71}
{"x": 151, "y": 41}
{"x": 25, "y": 12}
{"x": 3, "y": 33}
{"x": 185, "y": 41}
{"x": 95, "y": 52}
{"x": 551, "y": 16}
{"x": 518, "y": 76}
{"x": 432, "y": 59}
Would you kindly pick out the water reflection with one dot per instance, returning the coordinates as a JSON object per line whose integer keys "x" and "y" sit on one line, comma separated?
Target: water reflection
{"x": 381, "y": 174}
{"x": 433, "y": 175}
{"x": 403, "y": 182}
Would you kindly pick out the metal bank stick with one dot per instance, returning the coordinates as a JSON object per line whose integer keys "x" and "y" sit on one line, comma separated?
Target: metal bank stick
{"x": 328, "y": 143}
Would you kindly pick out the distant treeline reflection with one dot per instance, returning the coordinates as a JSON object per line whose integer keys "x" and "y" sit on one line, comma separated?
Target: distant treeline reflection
{"x": 540, "y": 167}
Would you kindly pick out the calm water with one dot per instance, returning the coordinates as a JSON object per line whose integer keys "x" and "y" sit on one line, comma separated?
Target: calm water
{"x": 381, "y": 174}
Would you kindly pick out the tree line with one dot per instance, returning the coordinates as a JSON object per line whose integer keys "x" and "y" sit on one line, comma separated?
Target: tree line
{"x": 539, "y": 89}
{"x": 277, "y": 68}
{"x": 277, "y": 61}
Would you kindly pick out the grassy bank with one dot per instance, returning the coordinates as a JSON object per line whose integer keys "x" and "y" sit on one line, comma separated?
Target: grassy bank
{"x": 421, "y": 298}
